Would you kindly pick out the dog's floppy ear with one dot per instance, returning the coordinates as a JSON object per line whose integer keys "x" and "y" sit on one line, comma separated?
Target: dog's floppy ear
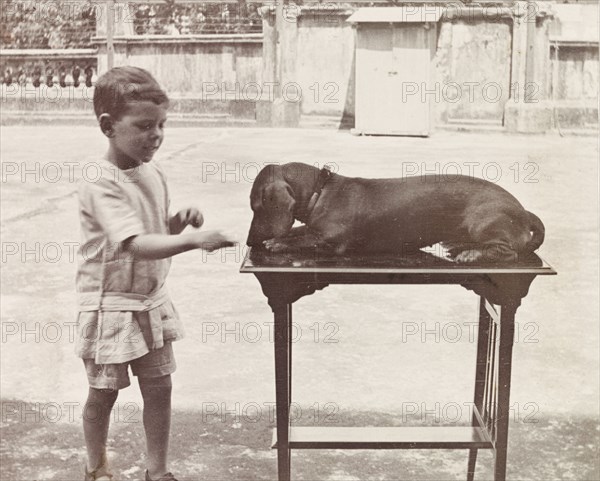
{"x": 273, "y": 208}
{"x": 278, "y": 196}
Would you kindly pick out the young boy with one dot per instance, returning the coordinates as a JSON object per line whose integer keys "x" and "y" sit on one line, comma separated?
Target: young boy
{"x": 126, "y": 317}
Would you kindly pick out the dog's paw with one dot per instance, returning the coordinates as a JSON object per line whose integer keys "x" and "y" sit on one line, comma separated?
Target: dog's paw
{"x": 274, "y": 246}
{"x": 469, "y": 257}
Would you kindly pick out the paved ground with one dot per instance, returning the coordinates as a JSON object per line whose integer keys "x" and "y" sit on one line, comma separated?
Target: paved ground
{"x": 352, "y": 364}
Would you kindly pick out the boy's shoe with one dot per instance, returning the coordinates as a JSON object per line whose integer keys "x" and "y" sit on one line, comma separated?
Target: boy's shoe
{"x": 99, "y": 474}
{"x": 164, "y": 477}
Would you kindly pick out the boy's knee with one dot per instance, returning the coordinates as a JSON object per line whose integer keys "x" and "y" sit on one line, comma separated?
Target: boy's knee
{"x": 99, "y": 403}
{"x": 101, "y": 399}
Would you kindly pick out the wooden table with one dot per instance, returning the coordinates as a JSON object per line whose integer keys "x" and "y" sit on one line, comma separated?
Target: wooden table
{"x": 287, "y": 277}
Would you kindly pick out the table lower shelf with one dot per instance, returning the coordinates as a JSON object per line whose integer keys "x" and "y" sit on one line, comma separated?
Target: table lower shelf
{"x": 429, "y": 437}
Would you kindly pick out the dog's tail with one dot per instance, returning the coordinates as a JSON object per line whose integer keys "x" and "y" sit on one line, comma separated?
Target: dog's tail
{"x": 537, "y": 232}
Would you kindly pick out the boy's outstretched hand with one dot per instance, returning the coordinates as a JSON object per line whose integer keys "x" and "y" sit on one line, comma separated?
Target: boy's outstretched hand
{"x": 212, "y": 240}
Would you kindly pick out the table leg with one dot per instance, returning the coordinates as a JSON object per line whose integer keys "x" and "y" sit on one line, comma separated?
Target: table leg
{"x": 290, "y": 338}
{"x": 480, "y": 370}
{"x": 282, "y": 317}
{"x": 507, "y": 331}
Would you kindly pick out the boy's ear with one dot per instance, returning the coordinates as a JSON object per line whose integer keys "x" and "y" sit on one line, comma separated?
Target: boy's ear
{"x": 106, "y": 125}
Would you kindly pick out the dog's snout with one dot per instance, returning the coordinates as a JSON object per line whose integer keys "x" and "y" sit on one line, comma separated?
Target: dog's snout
{"x": 256, "y": 234}
{"x": 252, "y": 242}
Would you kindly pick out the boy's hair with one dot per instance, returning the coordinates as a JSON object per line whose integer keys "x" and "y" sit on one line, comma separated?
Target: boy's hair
{"x": 122, "y": 85}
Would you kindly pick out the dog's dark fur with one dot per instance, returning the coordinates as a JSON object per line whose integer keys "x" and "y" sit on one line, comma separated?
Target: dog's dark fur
{"x": 475, "y": 219}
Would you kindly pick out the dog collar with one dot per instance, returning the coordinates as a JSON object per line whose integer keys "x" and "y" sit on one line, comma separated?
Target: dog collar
{"x": 324, "y": 175}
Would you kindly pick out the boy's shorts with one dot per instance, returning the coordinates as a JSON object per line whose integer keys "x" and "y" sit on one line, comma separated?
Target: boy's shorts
{"x": 157, "y": 363}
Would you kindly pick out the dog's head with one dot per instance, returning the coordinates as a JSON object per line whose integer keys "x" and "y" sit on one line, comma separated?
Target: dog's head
{"x": 272, "y": 201}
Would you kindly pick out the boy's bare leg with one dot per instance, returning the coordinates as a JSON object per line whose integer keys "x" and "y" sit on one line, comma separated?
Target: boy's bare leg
{"x": 156, "y": 392}
{"x": 96, "y": 419}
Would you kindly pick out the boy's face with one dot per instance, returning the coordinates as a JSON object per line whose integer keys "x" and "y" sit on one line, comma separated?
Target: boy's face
{"x": 137, "y": 135}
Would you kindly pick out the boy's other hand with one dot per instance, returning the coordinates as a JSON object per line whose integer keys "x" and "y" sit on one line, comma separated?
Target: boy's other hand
{"x": 213, "y": 240}
{"x": 191, "y": 216}
{"x": 183, "y": 218}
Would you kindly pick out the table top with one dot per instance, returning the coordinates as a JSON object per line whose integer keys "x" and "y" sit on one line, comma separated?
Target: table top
{"x": 422, "y": 262}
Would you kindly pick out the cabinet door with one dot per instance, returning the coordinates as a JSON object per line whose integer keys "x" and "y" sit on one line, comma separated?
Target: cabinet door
{"x": 392, "y": 79}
